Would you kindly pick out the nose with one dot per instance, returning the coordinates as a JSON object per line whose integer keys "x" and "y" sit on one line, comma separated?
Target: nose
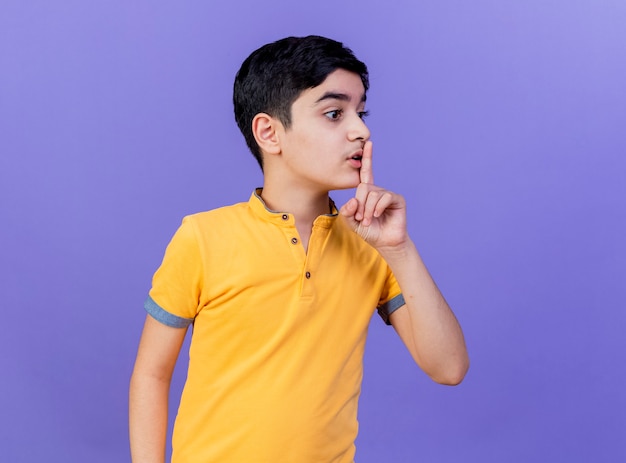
{"x": 358, "y": 129}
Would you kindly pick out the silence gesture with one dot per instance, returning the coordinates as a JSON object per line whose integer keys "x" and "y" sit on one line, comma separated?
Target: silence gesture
{"x": 376, "y": 214}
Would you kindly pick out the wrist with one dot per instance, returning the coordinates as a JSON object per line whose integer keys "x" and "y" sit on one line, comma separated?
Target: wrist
{"x": 399, "y": 251}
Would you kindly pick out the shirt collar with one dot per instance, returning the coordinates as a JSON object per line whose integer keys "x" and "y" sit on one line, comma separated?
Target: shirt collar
{"x": 261, "y": 210}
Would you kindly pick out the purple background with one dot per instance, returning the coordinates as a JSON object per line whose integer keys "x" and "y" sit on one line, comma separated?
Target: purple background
{"x": 503, "y": 124}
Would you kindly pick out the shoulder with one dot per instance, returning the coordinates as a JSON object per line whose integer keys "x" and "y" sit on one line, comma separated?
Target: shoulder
{"x": 215, "y": 216}
{"x": 222, "y": 225}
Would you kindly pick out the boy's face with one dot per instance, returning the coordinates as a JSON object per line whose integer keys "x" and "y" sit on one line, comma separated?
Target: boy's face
{"x": 323, "y": 146}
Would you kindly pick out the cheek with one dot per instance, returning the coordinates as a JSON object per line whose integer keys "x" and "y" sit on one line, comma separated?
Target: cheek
{"x": 313, "y": 144}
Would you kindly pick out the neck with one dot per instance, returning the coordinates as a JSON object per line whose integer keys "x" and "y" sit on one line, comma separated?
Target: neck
{"x": 305, "y": 205}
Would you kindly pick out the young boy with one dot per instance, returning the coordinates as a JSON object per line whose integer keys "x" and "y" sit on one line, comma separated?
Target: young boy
{"x": 280, "y": 290}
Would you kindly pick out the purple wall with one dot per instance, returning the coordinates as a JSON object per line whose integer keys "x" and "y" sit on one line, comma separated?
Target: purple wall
{"x": 503, "y": 124}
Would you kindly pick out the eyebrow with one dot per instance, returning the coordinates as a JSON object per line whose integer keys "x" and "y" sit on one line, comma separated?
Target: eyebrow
{"x": 337, "y": 96}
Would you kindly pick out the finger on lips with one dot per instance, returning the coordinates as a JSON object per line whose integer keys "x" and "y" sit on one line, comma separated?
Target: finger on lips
{"x": 366, "y": 172}
{"x": 366, "y": 203}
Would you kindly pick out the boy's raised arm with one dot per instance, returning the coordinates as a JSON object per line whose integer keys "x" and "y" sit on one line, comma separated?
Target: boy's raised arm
{"x": 425, "y": 323}
{"x": 149, "y": 390}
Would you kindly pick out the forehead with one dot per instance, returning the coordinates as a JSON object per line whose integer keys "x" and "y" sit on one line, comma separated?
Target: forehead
{"x": 339, "y": 85}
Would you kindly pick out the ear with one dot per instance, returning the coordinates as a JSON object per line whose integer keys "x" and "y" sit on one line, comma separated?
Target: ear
{"x": 265, "y": 131}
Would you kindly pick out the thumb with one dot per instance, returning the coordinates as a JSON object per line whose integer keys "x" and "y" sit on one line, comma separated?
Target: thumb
{"x": 349, "y": 209}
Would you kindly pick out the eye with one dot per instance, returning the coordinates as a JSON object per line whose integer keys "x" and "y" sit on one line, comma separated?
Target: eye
{"x": 334, "y": 114}
{"x": 363, "y": 114}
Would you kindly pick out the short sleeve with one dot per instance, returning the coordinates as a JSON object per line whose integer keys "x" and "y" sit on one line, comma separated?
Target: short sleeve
{"x": 391, "y": 299}
{"x": 177, "y": 283}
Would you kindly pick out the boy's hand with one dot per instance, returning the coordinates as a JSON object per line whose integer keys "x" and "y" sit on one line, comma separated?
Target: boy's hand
{"x": 375, "y": 214}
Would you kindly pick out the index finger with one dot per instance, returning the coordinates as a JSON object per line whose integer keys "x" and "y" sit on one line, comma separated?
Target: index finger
{"x": 366, "y": 173}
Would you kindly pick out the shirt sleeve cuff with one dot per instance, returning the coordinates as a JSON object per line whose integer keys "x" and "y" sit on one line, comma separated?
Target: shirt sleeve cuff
{"x": 389, "y": 307}
{"x": 161, "y": 315}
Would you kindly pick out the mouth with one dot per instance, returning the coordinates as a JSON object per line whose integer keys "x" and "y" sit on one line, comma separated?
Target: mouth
{"x": 355, "y": 159}
{"x": 357, "y": 156}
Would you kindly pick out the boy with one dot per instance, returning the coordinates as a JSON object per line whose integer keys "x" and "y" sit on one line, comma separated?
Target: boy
{"x": 280, "y": 290}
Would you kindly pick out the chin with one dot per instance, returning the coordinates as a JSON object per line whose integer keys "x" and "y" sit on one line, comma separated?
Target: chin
{"x": 347, "y": 183}
{"x": 344, "y": 186}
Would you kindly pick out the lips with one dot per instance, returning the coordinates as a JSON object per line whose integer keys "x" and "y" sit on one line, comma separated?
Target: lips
{"x": 357, "y": 156}
{"x": 355, "y": 159}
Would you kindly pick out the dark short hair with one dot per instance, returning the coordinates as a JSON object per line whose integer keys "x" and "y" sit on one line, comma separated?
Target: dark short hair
{"x": 272, "y": 78}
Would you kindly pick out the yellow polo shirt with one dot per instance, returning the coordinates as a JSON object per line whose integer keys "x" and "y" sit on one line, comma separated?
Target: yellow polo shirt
{"x": 278, "y": 334}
